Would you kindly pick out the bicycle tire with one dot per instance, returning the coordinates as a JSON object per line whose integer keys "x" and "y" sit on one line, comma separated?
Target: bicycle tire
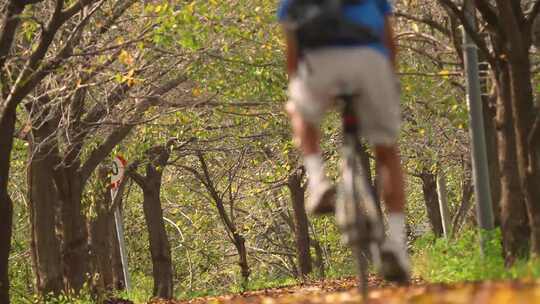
{"x": 356, "y": 227}
{"x": 349, "y": 216}
{"x": 362, "y": 263}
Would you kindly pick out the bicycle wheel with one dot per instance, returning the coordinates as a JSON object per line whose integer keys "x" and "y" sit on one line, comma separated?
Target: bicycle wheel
{"x": 356, "y": 212}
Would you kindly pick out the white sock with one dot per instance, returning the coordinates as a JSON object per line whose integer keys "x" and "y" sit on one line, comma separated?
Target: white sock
{"x": 314, "y": 167}
{"x": 396, "y": 227}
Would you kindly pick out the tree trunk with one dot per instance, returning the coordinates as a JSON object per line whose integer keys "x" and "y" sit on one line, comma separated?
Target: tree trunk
{"x": 7, "y": 128}
{"x": 75, "y": 250}
{"x": 515, "y": 32}
{"x": 99, "y": 235}
{"x": 515, "y": 226}
{"x": 524, "y": 116}
{"x": 238, "y": 240}
{"x": 159, "y": 243}
{"x": 6, "y": 214}
{"x": 44, "y": 207}
{"x": 301, "y": 224}
{"x": 160, "y": 248}
{"x": 429, "y": 186}
{"x": 240, "y": 244}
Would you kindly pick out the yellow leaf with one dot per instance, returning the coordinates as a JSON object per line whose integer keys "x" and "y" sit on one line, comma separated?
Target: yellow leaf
{"x": 126, "y": 58}
{"x": 191, "y": 7}
{"x": 445, "y": 74}
{"x": 415, "y": 27}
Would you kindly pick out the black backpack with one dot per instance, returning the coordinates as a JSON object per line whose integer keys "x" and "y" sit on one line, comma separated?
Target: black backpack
{"x": 320, "y": 23}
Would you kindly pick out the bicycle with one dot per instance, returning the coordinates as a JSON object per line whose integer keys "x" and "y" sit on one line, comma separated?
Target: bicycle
{"x": 357, "y": 213}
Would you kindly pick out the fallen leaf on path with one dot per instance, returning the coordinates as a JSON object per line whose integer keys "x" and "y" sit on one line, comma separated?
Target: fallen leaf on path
{"x": 344, "y": 292}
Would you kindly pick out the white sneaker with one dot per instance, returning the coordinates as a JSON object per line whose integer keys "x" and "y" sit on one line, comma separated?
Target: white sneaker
{"x": 395, "y": 265}
{"x": 322, "y": 198}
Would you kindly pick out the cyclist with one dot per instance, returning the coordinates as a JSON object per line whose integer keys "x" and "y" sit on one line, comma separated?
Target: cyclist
{"x": 316, "y": 76}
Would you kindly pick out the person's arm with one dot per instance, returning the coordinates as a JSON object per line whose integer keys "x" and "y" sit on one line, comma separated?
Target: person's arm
{"x": 291, "y": 53}
{"x": 389, "y": 41}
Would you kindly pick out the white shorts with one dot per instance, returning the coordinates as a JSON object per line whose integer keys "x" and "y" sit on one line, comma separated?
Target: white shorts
{"x": 322, "y": 74}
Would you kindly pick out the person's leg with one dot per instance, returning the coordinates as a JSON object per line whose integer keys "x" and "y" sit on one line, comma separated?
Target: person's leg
{"x": 306, "y": 135}
{"x": 307, "y": 139}
{"x": 391, "y": 176}
{"x": 380, "y": 121}
{"x": 396, "y": 265}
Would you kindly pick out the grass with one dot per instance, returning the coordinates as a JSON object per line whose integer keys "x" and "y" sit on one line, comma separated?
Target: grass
{"x": 449, "y": 261}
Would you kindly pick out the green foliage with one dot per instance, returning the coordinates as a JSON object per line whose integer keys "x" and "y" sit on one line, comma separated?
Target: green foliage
{"x": 141, "y": 289}
{"x": 84, "y": 297}
{"x": 450, "y": 261}
{"x": 442, "y": 260}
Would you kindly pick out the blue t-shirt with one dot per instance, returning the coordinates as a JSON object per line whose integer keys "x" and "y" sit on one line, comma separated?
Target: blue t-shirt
{"x": 370, "y": 13}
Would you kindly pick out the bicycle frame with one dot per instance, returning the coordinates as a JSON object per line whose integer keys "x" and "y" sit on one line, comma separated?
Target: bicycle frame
{"x": 356, "y": 211}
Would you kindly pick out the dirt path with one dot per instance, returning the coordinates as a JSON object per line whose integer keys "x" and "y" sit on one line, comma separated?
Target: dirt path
{"x": 344, "y": 292}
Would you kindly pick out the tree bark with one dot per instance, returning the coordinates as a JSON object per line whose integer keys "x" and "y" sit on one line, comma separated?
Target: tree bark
{"x": 44, "y": 209}
{"x": 159, "y": 243}
{"x": 75, "y": 249}
{"x": 240, "y": 244}
{"x": 429, "y": 187}
{"x": 100, "y": 235}
{"x": 514, "y": 221}
{"x": 7, "y": 128}
{"x": 160, "y": 248}
{"x": 529, "y": 175}
{"x": 6, "y": 214}
{"x": 301, "y": 224}
{"x": 515, "y": 29}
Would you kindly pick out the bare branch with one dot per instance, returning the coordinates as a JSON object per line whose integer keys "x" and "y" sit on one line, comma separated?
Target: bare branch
{"x": 34, "y": 71}
{"x": 429, "y": 22}
{"x": 453, "y": 9}
{"x": 136, "y": 176}
{"x": 75, "y": 8}
{"x": 9, "y": 27}
{"x": 103, "y": 150}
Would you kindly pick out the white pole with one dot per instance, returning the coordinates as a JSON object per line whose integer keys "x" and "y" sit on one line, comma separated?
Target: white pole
{"x": 443, "y": 203}
{"x": 119, "y": 165}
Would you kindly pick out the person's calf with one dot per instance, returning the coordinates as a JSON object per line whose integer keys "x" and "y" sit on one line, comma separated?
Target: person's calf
{"x": 391, "y": 176}
{"x": 305, "y": 134}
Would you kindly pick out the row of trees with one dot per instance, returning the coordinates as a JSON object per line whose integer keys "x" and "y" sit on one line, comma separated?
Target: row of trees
{"x": 79, "y": 78}
{"x": 511, "y": 113}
